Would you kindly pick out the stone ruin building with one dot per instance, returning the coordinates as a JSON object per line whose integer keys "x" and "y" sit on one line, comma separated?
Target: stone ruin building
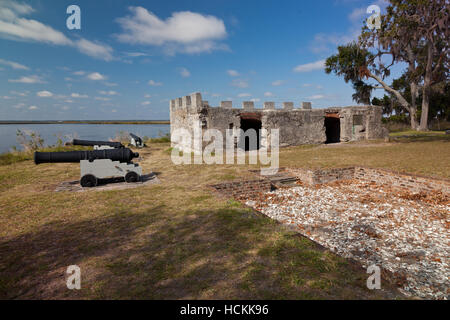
{"x": 297, "y": 126}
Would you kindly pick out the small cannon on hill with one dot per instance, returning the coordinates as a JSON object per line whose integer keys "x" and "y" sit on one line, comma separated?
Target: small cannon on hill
{"x": 97, "y": 164}
{"x": 136, "y": 141}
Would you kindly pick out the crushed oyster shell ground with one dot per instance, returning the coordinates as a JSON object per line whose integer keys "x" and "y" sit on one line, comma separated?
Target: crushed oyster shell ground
{"x": 407, "y": 234}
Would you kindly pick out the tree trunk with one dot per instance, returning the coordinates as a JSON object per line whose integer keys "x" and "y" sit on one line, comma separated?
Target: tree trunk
{"x": 425, "y": 107}
{"x": 412, "y": 115}
{"x": 413, "y": 108}
{"x": 426, "y": 90}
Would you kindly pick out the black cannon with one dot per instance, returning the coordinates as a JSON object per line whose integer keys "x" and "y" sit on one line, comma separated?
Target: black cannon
{"x": 113, "y": 144}
{"x": 97, "y": 164}
{"x": 121, "y": 155}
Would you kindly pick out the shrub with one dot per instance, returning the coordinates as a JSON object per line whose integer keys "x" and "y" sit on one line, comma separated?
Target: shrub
{"x": 162, "y": 138}
{"x": 29, "y": 140}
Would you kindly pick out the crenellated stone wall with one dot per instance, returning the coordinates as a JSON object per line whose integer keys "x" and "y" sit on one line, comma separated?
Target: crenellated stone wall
{"x": 297, "y": 124}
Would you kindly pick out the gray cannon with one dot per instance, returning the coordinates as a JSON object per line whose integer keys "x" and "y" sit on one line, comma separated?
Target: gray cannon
{"x": 136, "y": 141}
{"x": 97, "y": 164}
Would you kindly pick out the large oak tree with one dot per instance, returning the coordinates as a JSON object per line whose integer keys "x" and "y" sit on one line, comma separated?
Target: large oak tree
{"x": 414, "y": 32}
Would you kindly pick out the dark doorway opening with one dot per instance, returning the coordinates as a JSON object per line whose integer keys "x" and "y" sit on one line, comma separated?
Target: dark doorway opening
{"x": 333, "y": 128}
{"x": 247, "y": 124}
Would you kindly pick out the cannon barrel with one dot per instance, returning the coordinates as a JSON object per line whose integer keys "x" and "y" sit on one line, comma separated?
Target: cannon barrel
{"x": 136, "y": 138}
{"x": 114, "y": 144}
{"x": 122, "y": 155}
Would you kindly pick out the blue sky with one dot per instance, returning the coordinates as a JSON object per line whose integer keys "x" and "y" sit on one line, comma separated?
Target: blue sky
{"x": 131, "y": 57}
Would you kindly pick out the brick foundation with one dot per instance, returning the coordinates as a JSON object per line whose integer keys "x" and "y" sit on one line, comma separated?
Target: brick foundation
{"x": 243, "y": 188}
{"x": 407, "y": 182}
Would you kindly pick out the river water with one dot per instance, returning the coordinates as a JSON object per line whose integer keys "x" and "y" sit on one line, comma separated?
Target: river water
{"x": 51, "y": 132}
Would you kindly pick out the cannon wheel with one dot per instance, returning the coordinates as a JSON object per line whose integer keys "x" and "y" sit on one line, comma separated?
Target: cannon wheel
{"x": 88, "y": 181}
{"x": 132, "y": 177}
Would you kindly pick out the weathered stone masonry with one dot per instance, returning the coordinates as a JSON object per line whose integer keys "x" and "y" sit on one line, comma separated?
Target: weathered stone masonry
{"x": 297, "y": 126}
{"x": 400, "y": 181}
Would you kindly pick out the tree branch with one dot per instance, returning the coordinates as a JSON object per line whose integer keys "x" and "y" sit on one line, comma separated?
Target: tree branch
{"x": 397, "y": 94}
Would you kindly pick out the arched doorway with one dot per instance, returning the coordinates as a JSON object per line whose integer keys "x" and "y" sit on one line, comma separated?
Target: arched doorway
{"x": 333, "y": 127}
{"x": 250, "y": 121}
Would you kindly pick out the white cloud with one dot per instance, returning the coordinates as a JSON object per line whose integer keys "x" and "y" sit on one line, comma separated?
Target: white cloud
{"x": 147, "y": 96}
{"x": 102, "y": 99}
{"x": 240, "y": 83}
{"x": 95, "y": 50}
{"x": 32, "y": 108}
{"x": 14, "y": 65}
{"x": 7, "y": 97}
{"x": 19, "y": 105}
{"x": 28, "y": 79}
{"x": 77, "y": 95}
{"x": 277, "y": 83}
{"x": 318, "y": 65}
{"x": 233, "y": 73}
{"x": 145, "y": 103}
{"x": 65, "y": 108}
{"x": 108, "y": 93}
{"x": 316, "y": 97}
{"x": 136, "y": 54}
{"x": 357, "y": 15}
{"x": 185, "y": 73}
{"x": 110, "y": 84}
{"x": 242, "y": 95}
{"x": 26, "y": 29}
{"x": 255, "y": 99}
{"x": 14, "y": 26}
{"x": 22, "y": 94}
{"x": 309, "y": 85}
{"x": 44, "y": 94}
{"x": 327, "y": 42}
{"x": 79, "y": 73}
{"x": 154, "y": 83}
{"x": 185, "y": 31}
{"x": 96, "y": 76}
{"x": 268, "y": 94}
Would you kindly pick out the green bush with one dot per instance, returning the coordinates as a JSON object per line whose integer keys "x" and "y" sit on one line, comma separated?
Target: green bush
{"x": 163, "y": 138}
{"x": 400, "y": 118}
{"x": 13, "y": 157}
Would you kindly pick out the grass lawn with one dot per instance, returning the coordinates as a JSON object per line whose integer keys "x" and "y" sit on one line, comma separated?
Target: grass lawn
{"x": 177, "y": 239}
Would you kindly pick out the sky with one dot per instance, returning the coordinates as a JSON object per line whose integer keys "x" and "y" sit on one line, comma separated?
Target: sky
{"x": 131, "y": 57}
